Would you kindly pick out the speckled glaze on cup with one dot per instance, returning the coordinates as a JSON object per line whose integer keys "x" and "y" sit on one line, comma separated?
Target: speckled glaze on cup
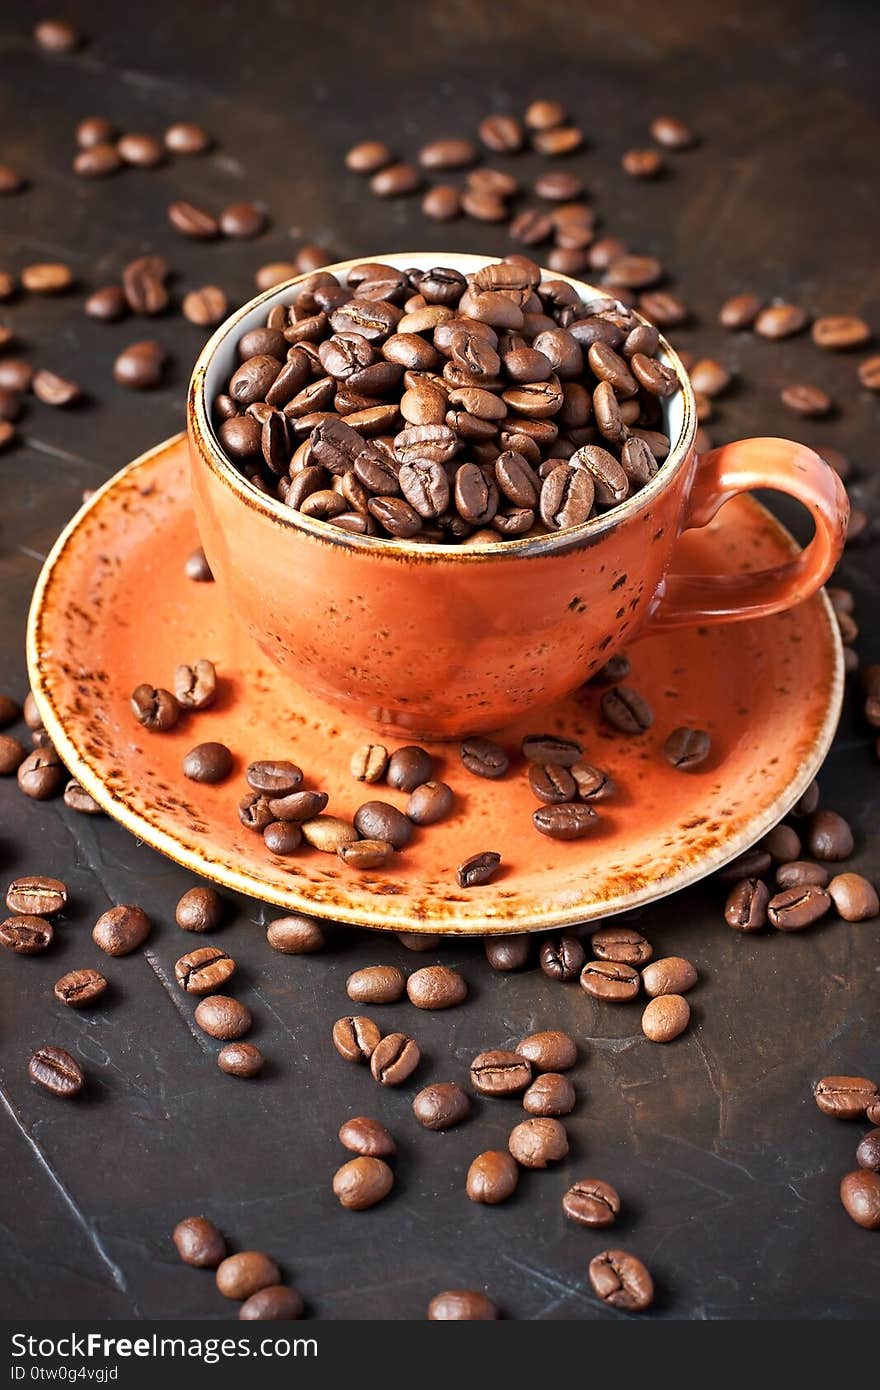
{"x": 438, "y": 641}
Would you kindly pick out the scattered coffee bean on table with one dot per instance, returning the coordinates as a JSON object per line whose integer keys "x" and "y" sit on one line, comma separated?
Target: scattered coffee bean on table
{"x": 121, "y": 930}
{"x": 376, "y": 984}
{"x": 562, "y": 959}
{"x": 80, "y": 989}
{"x": 12, "y": 755}
{"x": 240, "y": 1059}
{"x": 461, "y": 1305}
{"x": 204, "y": 970}
{"x": 669, "y": 975}
{"x": 296, "y": 935}
{"x": 198, "y": 1242}
{"x": 549, "y": 1051}
{"x": 276, "y": 1303}
{"x": 860, "y": 1195}
{"x": 140, "y": 366}
{"x": 538, "y": 1142}
{"x": 26, "y": 935}
{"x": 492, "y": 1178}
{"x": 186, "y": 137}
{"x": 356, "y": 1037}
{"x": 239, "y": 1276}
{"x": 436, "y": 987}
{"x": 854, "y": 897}
{"x": 35, "y": 894}
{"x": 622, "y": 1280}
{"x": 223, "y": 1017}
{"x": 623, "y": 945}
{"x": 605, "y": 979}
{"x": 56, "y": 1071}
{"x": 500, "y": 1073}
{"x": 394, "y": 1059}
{"x": 591, "y": 1202}
{"x": 507, "y": 953}
{"x": 665, "y": 1018}
{"x": 78, "y": 799}
{"x": 366, "y": 1136}
{"x": 800, "y": 906}
{"x": 868, "y": 1151}
{"x": 441, "y": 1105}
{"x": 199, "y": 910}
{"x": 746, "y": 907}
{"x": 844, "y": 1097}
{"x": 362, "y": 1182}
{"x": 550, "y": 1094}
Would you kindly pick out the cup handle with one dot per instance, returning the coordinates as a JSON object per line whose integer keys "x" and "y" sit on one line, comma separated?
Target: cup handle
{"x": 758, "y": 463}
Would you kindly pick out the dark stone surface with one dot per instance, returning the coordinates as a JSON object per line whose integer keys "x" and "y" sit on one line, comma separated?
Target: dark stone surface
{"x": 727, "y": 1172}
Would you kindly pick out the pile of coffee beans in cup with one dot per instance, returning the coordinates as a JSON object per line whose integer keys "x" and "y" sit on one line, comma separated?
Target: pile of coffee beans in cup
{"x": 436, "y": 407}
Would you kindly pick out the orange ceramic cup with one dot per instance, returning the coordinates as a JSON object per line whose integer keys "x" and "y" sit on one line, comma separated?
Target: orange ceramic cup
{"x": 439, "y": 641}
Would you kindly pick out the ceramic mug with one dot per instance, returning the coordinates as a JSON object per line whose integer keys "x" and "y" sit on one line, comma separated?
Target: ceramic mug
{"x": 436, "y": 641}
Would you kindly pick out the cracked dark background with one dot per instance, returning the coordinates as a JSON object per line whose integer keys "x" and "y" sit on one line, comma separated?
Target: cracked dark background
{"x": 727, "y": 1171}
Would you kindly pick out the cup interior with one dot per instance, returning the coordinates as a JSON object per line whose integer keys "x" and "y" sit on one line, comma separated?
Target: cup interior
{"x": 219, "y": 359}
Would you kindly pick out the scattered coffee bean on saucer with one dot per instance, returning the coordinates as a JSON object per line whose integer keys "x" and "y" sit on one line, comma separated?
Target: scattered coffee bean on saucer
{"x": 208, "y": 762}
{"x": 479, "y": 869}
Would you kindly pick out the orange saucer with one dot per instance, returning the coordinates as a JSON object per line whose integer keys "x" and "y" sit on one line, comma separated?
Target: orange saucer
{"x": 113, "y": 608}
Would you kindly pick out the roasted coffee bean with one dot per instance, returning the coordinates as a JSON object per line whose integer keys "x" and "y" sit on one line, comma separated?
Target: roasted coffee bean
{"x": 80, "y": 988}
{"x": 746, "y": 907}
{"x": 98, "y": 161}
{"x": 462, "y": 1305}
{"x": 239, "y": 1276}
{"x": 500, "y": 1073}
{"x": 844, "y": 1097}
{"x": 143, "y": 284}
{"x": 448, "y": 153}
{"x": 377, "y": 820}
{"x": 669, "y": 975}
{"x": 740, "y": 311}
{"x": 121, "y": 930}
{"x": 782, "y": 843}
{"x": 10, "y": 710}
{"x": 355, "y": 1038}
{"x": 430, "y": 803}
{"x": 479, "y": 869}
{"x": 363, "y": 1135}
{"x": 140, "y": 365}
{"x": 592, "y": 783}
{"x": 208, "y": 762}
{"x": 854, "y": 897}
{"x": 566, "y": 497}
{"x": 798, "y": 907}
{"x": 804, "y": 399}
{"x": 626, "y": 710}
{"x": 254, "y": 812}
{"x": 395, "y": 180}
{"x": 376, "y": 984}
{"x": 362, "y": 1182}
{"x": 198, "y": 1242}
{"x": 502, "y": 134}
{"x": 869, "y": 373}
{"x": 550, "y": 1094}
{"x": 551, "y": 748}
{"x": 665, "y": 1018}
{"x": 506, "y": 953}
{"x": 240, "y": 1059}
{"x": 419, "y": 941}
{"x": 368, "y": 763}
{"x": 242, "y": 221}
{"x": 551, "y": 1051}
{"x": 204, "y": 970}
{"x": 569, "y": 820}
{"x": 562, "y": 958}
{"x": 78, "y": 799}
{"x": 195, "y": 687}
{"x": 840, "y": 331}
{"x": 54, "y": 390}
{"x": 621, "y": 945}
{"x": 107, "y": 304}
{"x": 368, "y": 156}
{"x": 484, "y": 758}
{"x": 801, "y": 871}
{"x": 205, "y": 307}
{"x": 157, "y": 709}
{"x": 552, "y": 783}
{"x": 223, "y": 1017}
{"x": 47, "y": 277}
{"x": 57, "y": 36}
{"x": 492, "y": 1178}
{"x": 56, "y": 1071}
{"x": 192, "y": 221}
{"x": 829, "y": 837}
{"x": 441, "y": 1105}
{"x": 277, "y": 1303}
{"x": 327, "y": 833}
{"x": 273, "y": 778}
{"x": 394, "y": 1059}
{"x": 610, "y": 980}
{"x": 43, "y": 897}
{"x": 538, "y": 1142}
{"x": 687, "y": 748}
{"x": 442, "y": 203}
{"x": 872, "y": 1110}
{"x": 295, "y": 935}
{"x": 868, "y": 1151}
{"x": 672, "y": 133}
{"x": 436, "y": 987}
{"x": 779, "y": 321}
{"x": 591, "y": 1202}
{"x": 296, "y": 806}
{"x": 621, "y": 1280}
{"x": 425, "y": 487}
{"x": 186, "y": 137}
{"x": 26, "y": 935}
{"x": 197, "y": 568}
{"x": 408, "y": 768}
{"x": 366, "y": 854}
{"x": 642, "y": 164}
{"x": 860, "y": 1195}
